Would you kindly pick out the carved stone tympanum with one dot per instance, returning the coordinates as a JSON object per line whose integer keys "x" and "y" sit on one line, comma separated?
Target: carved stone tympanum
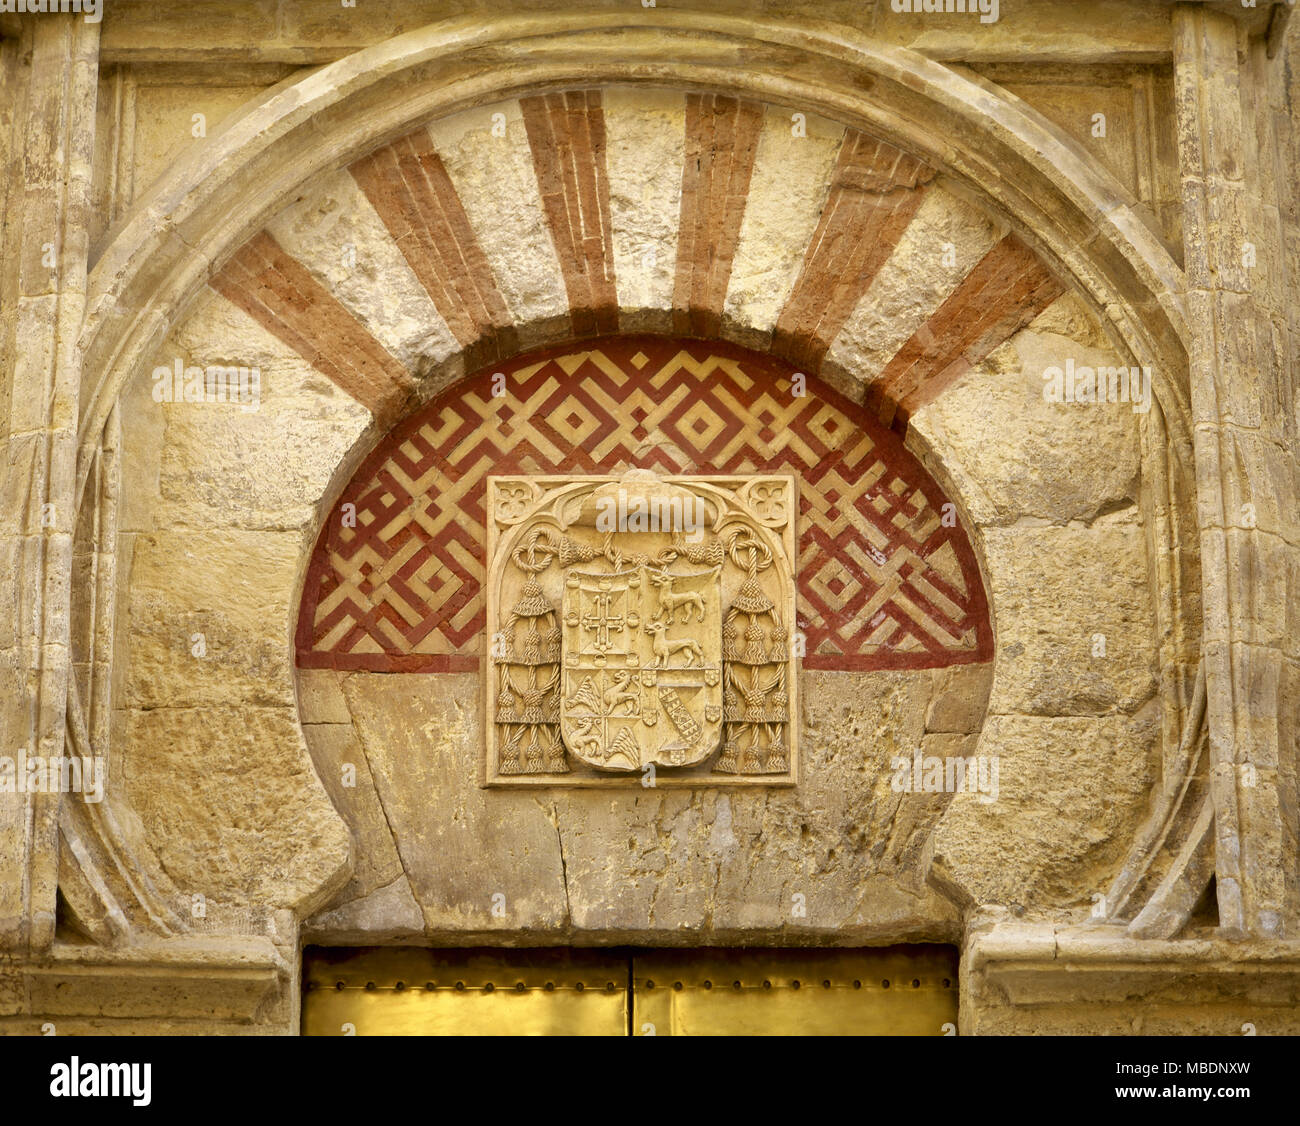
{"x": 640, "y": 621}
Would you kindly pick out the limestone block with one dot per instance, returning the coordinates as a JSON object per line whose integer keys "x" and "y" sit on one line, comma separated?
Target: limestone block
{"x": 164, "y": 124}
{"x": 497, "y": 185}
{"x": 320, "y": 697}
{"x": 235, "y": 589}
{"x": 233, "y": 809}
{"x": 960, "y": 699}
{"x": 1025, "y": 29}
{"x": 143, "y": 431}
{"x": 633, "y": 863}
{"x": 1264, "y": 587}
{"x": 460, "y": 845}
{"x": 223, "y": 464}
{"x": 11, "y": 568}
{"x": 1071, "y": 792}
{"x": 333, "y": 230}
{"x": 832, "y": 856}
{"x": 911, "y": 285}
{"x": 643, "y": 862}
{"x": 1262, "y": 490}
{"x": 1073, "y": 106}
{"x": 1076, "y": 634}
{"x": 787, "y": 191}
{"x": 644, "y": 148}
{"x": 389, "y": 914}
{"x": 1013, "y": 454}
{"x": 1092, "y": 979}
{"x": 341, "y": 766}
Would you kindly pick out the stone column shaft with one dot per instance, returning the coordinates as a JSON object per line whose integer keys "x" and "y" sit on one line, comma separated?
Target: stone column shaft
{"x": 50, "y": 193}
{"x": 1246, "y": 481}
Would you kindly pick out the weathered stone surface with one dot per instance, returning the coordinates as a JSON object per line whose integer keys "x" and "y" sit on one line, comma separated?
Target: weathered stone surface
{"x": 960, "y": 698}
{"x": 420, "y": 734}
{"x": 320, "y": 697}
{"x": 333, "y": 230}
{"x": 234, "y": 810}
{"x": 833, "y": 856}
{"x": 787, "y": 191}
{"x": 1071, "y": 794}
{"x": 389, "y": 914}
{"x": 1076, "y": 632}
{"x": 1111, "y": 140}
{"x": 341, "y": 766}
{"x": 223, "y": 464}
{"x": 495, "y": 180}
{"x": 208, "y": 618}
{"x": 1053, "y": 461}
{"x": 1021, "y": 978}
{"x": 165, "y": 125}
{"x": 645, "y": 137}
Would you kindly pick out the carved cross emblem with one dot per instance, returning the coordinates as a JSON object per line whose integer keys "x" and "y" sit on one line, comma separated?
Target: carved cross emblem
{"x": 603, "y": 618}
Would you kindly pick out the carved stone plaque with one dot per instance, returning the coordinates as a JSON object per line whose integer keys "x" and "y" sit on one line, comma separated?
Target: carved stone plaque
{"x": 640, "y": 628}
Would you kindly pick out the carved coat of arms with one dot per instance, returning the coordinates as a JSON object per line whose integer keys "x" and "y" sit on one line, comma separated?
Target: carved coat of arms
{"x": 642, "y": 681}
{"x": 640, "y": 621}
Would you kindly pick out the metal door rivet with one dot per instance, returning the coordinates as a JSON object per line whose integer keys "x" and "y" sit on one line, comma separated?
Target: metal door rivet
{"x": 489, "y": 987}
{"x": 708, "y": 985}
{"x": 370, "y": 985}
{"x": 399, "y": 986}
{"x": 916, "y": 983}
{"x": 520, "y": 987}
{"x": 826, "y": 984}
{"x": 549, "y": 987}
{"x": 579, "y": 987}
{"x": 460, "y": 985}
{"x": 677, "y": 985}
{"x": 884, "y": 984}
{"x": 735, "y": 985}
{"x": 794, "y": 984}
{"x": 767, "y": 985}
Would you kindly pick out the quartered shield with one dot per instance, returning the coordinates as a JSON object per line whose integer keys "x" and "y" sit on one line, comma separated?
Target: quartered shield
{"x": 642, "y": 667}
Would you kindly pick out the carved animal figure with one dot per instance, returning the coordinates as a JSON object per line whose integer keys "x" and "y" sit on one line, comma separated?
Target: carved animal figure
{"x": 665, "y": 647}
{"x": 670, "y": 602}
{"x": 619, "y": 693}
{"x": 583, "y": 737}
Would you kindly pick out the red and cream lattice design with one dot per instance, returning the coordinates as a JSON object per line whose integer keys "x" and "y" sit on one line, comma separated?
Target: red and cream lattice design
{"x": 887, "y": 577}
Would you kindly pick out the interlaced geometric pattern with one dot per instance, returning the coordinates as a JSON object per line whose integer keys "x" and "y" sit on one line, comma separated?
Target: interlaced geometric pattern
{"x": 887, "y": 577}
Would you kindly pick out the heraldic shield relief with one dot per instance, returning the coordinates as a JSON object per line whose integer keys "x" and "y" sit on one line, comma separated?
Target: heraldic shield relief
{"x": 637, "y": 686}
{"x": 640, "y": 621}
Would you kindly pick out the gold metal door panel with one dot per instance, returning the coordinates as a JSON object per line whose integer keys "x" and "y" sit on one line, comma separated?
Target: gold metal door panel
{"x": 413, "y": 992}
{"x": 896, "y": 991}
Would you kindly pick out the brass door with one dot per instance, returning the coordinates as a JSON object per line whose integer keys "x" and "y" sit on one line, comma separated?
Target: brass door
{"x": 900, "y": 990}
{"x": 893, "y": 991}
{"x": 403, "y": 991}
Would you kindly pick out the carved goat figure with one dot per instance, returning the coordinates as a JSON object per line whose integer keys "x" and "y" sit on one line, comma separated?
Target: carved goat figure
{"x": 665, "y": 647}
{"x": 670, "y": 602}
{"x": 619, "y": 693}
